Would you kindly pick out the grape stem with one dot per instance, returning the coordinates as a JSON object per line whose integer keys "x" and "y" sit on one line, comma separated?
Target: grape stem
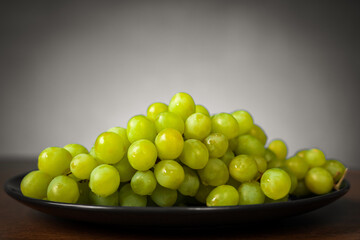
{"x": 338, "y": 185}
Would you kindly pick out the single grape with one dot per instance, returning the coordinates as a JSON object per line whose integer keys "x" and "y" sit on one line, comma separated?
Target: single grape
{"x": 122, "y": 133}
{"x": 315, "y": 157}
{"x": 217, "y": 144}
{"x": 169, "y": 120}
{"x": 203, "y": 192}
{"x": 54, "y": 161}
{"x": 63, "y": 189}
{"x": 226, "y": 124}
{"x": 250, "y": 193}
{"x": 169, "y": 144}
{"x": 243, "y": 168}
{"x": 82, "y": 165}
{"x": 126, "y": 171}
{"x": 279, "y": 148}
{"x": 197, "y": 126}
{"x": 154, "y": 109}
{"x": 75, "y": 149}
{"x": 195, "y": 154}
{"x": 35, "y": 184}
{"x": 261, "y": 163}
{"x": 191, "y": 183}
{"x": 275, "y": 183}
{"x": 245, "y": 121}
{"x": 301, "y": 190}
{"x": 182, "y": 104}
{"x": 201, "y": 109}
{"x": 298, "y": 166}
{"x": 109, "y": 148}
{"x": 319, "y": 181}
{"x": 301, "y": 153}
{"x": 104, "y": 180}
{"x": 169, "y": 174}
{"x": 140, "y": 127}
{"x": 224, "y": 195}
{"x": 227, "y": 157}
{"x": 335, "y": 168}
{"x": 142, "y": 155}
{"x": 215, "y": 173}
{"x": 259, "y": 133}
{"x": 111, "y": 200}
{"x": 143, "y": 182}
{"x": 249, "y": 145}
{"x": 164, "y": 197}
{"x": 128, "y": 198}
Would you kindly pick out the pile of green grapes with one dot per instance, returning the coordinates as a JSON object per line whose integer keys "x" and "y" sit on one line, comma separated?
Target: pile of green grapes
{"x": 179, "y": 155}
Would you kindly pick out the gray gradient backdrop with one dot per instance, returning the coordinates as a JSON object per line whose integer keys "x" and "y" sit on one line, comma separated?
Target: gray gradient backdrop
{"x": 70, "y": 70}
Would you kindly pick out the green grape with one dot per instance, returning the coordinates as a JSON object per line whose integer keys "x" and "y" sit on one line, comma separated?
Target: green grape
{"x": 301, "y": 153}
{"x": 245, "y": 121}
{"x": 279, "y": 148}
{"x": 269, "y": 155}
{"x": 201, "y": 109}
{"x": 154, "y": 109}
{"x": 293, "y": 178}
{"x": 243, "y": 168}
{"x": 63, "y": 189}
{"x": 195, "y": 154}
{"x": 169, "y": 144}
{"x": 275, "y": 183}
{"x": 35, "y": 184}
{"x": 84, "y": 192}
{"x": 261, "y": 163}
{"x": 233, "y": 143}
{"x": 111, "y": 200}
{"x": 298, "y": 166}
{"x": 169, "y": 120}
{"x": 169, "y": 174}
{"x": 191, "y": 183}
{"x": 269, "y": 200}
{"x": 92, "y": 153}
{"x": 249, "y": 145}
{"x": 315, "y": 157}
{"x": 54, "y": 161}
{"x": 109, "y": 148}
{"x": 217, "y": 144}
{"x": 226, "y": 124}
{"x": 203, "y": 192}
{"x": 143, "y": 182}
{"x": 335, "y": 168}
{"x": 301, "y": 190}
{"x": 123, "y": 134}
{"x": 197, "y": 126}
{"x": 224, "y": 195}
{"x": 126, "y": 171}
{"x": 140, "y": 127}
{"x": 250, "y": 193}
{"x": 215, "y": 173}
{"x": 82, "y": 165}
{"x": 104, "y": 180}
{"x": 164, "y": 197}
{"x": 182, "y": 104}
{"x": 259, "y": 133}
{"x": 232, "y": 182}
{"x": 128, "y": 198}
{"x": 276, "y": 163}
{"x": 227, "y": 157}
{"x": 75, "y": 149}
{"x": 319, "y": 181}
{"x": 142, "y": 155}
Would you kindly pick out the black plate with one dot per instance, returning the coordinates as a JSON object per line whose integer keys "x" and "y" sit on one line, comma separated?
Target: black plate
{"x": 175, "y": 216}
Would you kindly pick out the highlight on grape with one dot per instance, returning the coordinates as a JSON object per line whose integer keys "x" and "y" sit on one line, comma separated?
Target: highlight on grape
{"x": 178, "y": 154}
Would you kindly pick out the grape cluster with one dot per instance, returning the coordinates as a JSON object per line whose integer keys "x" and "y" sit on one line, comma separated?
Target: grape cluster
{"x": 179, "y": 155}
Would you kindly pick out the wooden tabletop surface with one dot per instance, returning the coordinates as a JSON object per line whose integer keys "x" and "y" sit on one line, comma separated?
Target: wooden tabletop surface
{"x": 339, "y": 220}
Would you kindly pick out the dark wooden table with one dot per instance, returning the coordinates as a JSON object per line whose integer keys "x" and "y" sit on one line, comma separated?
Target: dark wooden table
{"x": 339, "y": 220}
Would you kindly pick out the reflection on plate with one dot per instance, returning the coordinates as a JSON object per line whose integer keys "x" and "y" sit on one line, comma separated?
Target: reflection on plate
{"x": 175, "y": 216}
